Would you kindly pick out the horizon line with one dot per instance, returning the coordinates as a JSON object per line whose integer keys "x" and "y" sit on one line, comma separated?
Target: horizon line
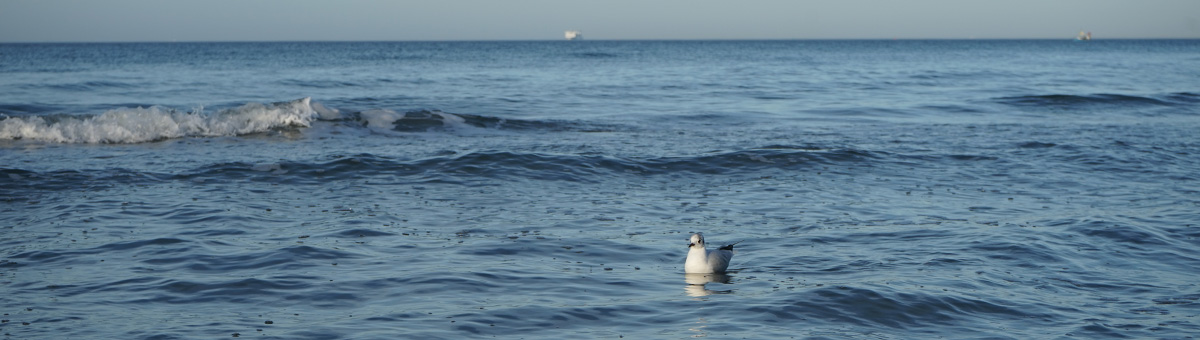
{"x": 560, "y": 39}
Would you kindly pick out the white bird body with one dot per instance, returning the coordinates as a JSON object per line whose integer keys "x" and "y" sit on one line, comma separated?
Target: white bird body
{"x": 704, "y": 261}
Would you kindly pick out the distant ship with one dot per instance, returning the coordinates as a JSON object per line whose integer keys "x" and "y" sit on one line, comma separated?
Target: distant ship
{"x": 1084, "y": 36}
{"x": 574, "y": 35}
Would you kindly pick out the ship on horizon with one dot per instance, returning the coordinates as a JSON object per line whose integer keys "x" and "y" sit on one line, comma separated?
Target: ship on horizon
{"x": 574, "y": 35}
{"x": 1084, "y": 36}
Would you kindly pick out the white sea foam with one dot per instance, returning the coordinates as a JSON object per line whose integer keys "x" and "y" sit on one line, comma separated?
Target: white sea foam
{"x": 274, "y": 168}
{"x": 136, "y": 125}
{"x": 265, "y": 167}
{"x": 380, "y": 119}
{"x": 453, "y": 121}
{"x": 327, "y": 113}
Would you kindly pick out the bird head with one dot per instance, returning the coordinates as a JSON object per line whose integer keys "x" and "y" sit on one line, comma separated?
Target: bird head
{"x": 697, "y": 240}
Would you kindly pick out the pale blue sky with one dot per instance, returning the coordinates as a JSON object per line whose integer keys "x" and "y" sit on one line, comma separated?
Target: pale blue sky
{"x": 268, "y": 20}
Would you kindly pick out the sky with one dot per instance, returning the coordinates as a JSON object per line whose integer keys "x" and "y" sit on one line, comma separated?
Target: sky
{"x": 415, "y": 20}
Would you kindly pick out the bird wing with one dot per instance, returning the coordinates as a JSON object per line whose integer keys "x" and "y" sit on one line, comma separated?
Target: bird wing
{"x": 729, "y": 247}
{"x": 719, "y": 259}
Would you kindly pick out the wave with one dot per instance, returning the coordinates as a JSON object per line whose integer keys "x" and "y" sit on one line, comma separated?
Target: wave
{"x": 26, "y": 109}
{"x": 154, "y": 123}
{"x": 1184, "y": 97}
{"x": 450, "y": 167}
{"x": 1066, "y": 100}
{"x": 320, "y": 84}
{"x": 595, "y": 55}
{"x": 584, "y": 168}
{"x": 146, "y": 124}
{"x": 86, "y": 86}
{"x": 863, "y": 305}
{"x": 436, "y": 120}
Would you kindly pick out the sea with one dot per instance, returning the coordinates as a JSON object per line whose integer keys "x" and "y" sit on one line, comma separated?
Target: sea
{"x": 878, "y": 189}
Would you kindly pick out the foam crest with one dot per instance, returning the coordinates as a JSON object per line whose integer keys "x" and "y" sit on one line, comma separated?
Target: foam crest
{"x": 327, "y": 113}
{"x": 137, "y": 125}
{"x": 413, "y": 121}
{"x": 380, "y": 119}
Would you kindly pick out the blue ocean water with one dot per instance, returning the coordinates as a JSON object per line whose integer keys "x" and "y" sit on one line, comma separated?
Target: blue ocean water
{"x": 361, "y": 190}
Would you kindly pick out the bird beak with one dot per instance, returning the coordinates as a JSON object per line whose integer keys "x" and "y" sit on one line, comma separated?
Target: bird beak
{"x": 690, "y": 244}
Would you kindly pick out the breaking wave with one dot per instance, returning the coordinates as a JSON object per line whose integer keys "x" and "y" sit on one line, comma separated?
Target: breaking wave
{"x": 436, "y": 120}
{"x": 146, "y": 124}
{"x": 155, "y": 123}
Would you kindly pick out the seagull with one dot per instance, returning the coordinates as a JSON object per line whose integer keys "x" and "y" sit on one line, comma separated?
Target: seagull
{"x": 704, "y": 261}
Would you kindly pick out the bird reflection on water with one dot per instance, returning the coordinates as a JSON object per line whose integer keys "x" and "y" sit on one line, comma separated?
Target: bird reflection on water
{"x": 696, "y": 284}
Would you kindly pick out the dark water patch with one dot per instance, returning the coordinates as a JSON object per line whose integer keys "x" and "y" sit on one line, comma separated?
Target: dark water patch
{"x": 166, "y": 241}
{"x": 509, "y": 165}
{"x": 782, "y": 157}
{"x": 15, "y": 184}
{"x": 88, "y": 86}
{"x": 543, "y": 125}
{"x": 595, "y": 55}
{"x": 952, "y": 109}
{"x": 908, "y": 311}
{"x": 236, "y": 290}
{"x": 579, "y": 168}
{"x": 862, "y": 114}
{"x": 449, "y": 167}
{"x": 193, "y": 215}
{"x": 360, "y": 233}
{"x": 407, "y": 283}
{"x": 26, "y": 109}
{"x": 287, "y": 258}
{"x": 437, "y": 284}
{"x": 233, "y": 170}
{"x": 582, "y": 251}
{"x": 1110, "y": 163}
{"x": 453, "y": 168}
{"x": 419, "y": 121}
{"x": 67, "y": 180}
{"x": 1179, "y": 300}
{"x": 8, "y": 175}
{"x": 1091, "y": 283}
{"x": 953, "y": 262}
{"x": 1084, "y": 101}
{"x": 856, "y": 266}
{"x": 433, "y": 120}
{"x": 213, "y": 232}
{"x": 1020, "y": 254}
{"x": 1122, "y": 233}
{"x": 890, "y": 236}
{"x": 132, "y": 285}
{"x": 394, "y": 317}
{"x": 973, "y": 75}
{"x": 391, "y": 100}
{"x": 430, "y": 120}
{"x": 390, "y": 56}
{"x": 1096, "y": 330}
{"x": 1184, "y": 97}
{"x": 319, "y": 84}
{"x": 550, "y": 320}
{"x": 157, "y": 246}
{"x": 9, "y": 265}
{"x": 1036, "y": 145}
{"x": 971, "y": 158}
{"x": 50, "y": 256}
{"x": 351, "y": 167}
